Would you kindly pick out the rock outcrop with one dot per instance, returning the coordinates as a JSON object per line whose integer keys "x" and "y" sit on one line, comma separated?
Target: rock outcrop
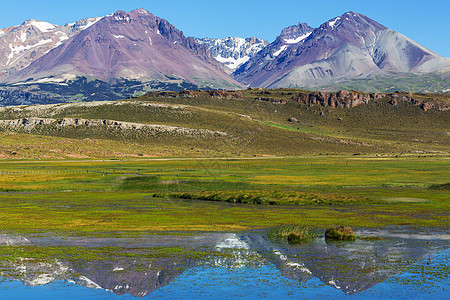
{"x": 338, "y": 99}
{"x": 31, "y": 123}
{"x": 348, "y": 99}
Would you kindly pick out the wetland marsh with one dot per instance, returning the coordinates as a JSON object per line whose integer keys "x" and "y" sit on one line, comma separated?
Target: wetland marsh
{"x": 199, "y": 227}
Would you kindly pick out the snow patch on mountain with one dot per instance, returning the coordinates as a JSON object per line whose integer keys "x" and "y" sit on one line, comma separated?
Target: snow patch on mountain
{"x": 84, "y": 24}
{"x": 333, "y": 22}
{"x": 42, "y": 26}
{"x": 90, "y": 23}
{"x": 298, "y": 39}
{"x": 18, "y": 50}
{"x": 233, "y": 51}
{"x": 23, "y": 37}
{"x": 278, "y": 52}
{"x": 231, "y": 62}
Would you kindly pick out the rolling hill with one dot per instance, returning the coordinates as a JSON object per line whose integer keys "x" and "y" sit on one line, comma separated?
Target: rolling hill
{"x": 236, "y": 123}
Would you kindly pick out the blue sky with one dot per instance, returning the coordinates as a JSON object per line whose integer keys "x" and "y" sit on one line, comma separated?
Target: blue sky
{"x": 426, "y": 22}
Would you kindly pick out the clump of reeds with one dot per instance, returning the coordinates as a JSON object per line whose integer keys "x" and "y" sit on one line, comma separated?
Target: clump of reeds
{"x": 292, "y": 233}
{"x": 341, "y": 233}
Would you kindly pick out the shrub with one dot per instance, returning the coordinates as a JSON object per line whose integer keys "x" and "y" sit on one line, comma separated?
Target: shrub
{"x": 444, "y": 186}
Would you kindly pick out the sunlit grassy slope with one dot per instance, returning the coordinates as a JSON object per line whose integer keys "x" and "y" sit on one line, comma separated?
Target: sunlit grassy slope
{"x": 255, "y": 122}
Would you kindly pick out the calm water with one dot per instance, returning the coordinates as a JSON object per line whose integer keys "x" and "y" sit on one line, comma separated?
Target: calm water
{"x": 404, "y": 264}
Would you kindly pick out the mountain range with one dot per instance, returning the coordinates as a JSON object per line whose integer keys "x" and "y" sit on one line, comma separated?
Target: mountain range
{"x": 346, "y": 47}
{"x": 127, "y": 54}
{"x": 135, "y": 45}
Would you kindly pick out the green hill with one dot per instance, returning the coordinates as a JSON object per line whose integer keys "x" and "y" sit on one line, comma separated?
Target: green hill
{"x": 253, "y": 122}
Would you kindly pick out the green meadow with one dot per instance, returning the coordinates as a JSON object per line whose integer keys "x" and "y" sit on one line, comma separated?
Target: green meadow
{"x": 174, "y": 195}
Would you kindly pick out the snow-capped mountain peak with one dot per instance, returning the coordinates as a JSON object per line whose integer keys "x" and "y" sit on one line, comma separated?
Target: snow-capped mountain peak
{"x": 22, "y": 44}
{"x": 42, "y": 26}
{"x": 132, "y": 45}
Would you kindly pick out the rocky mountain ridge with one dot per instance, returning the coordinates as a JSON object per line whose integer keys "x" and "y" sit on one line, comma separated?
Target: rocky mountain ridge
{"x": 346, "y": 99}
{"x": 262, "y": 62}
{"x": 339, "y": 99}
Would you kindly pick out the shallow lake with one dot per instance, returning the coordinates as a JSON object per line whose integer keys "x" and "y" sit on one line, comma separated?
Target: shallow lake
{"x": 389, "y": 263}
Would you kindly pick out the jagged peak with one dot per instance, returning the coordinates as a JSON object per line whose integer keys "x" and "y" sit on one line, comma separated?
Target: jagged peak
{"x": 350, "y": 17}
{"x": 232, "y": 38}
{"x": 41, "y": 25}
{"x": 141, "y": 11}
{"x": 120, "y": 12}
{"x": 295, "y": 30}
{"x": 132, "y": 13}
{"x": 294, "y": 34}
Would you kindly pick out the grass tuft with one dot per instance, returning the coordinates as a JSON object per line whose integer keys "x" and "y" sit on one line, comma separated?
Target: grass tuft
{"x": 340, "y": 233}
{"x": 292, "y": 233}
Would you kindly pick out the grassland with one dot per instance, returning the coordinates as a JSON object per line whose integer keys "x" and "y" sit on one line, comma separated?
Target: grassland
{"x": 376, "y": 164}
{"x": 136, "y": 196}
{"x": 255, "y": 122}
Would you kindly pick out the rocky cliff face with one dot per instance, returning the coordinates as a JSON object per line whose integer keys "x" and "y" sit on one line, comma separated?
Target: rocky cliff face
{"x": 349, "y": 46}
{"x": 339, "y": 99}
{"x": 348, "y": 99}
{"x": 233, "y": 51}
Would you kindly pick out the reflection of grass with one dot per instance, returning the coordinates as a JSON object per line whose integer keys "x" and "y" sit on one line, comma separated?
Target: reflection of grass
{"x": 371, "y": 238}
{"x": 40, "y": 253}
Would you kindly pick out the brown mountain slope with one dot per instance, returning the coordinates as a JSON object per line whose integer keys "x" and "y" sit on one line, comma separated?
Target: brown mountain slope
{"x": 135, "y": 45}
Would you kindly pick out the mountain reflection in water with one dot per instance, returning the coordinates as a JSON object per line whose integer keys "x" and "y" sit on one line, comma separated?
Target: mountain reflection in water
{"x": 140, "y": 266}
